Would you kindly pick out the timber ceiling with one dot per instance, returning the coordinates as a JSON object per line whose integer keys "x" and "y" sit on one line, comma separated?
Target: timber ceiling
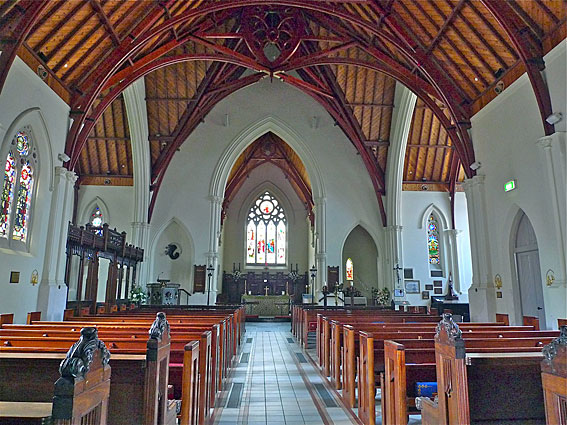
{"x": 346, "y": 54}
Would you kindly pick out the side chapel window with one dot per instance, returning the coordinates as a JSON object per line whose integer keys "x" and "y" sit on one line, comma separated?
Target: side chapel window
{"x": 266, "y": 232}
{"x": 17, "y": 188}
{"x": 349, "y": 270}
{"x": 433, "y": 243}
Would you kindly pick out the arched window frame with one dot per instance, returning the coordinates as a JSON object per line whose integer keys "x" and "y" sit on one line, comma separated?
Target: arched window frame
{"x": 21, "y": 158}
{"x": 253, "y": 218}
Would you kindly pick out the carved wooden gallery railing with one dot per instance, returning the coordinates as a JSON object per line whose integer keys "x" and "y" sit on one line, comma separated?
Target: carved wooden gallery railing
{"x": 90, "y": 245}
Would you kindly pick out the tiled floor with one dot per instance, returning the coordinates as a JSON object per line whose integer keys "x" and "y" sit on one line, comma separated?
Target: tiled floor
{"x": 276, "y": 384}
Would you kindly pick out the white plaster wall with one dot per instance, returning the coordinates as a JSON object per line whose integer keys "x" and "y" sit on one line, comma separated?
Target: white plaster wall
{"x": 117, "y": 206}
{"x": 505, "y": 134}
{"x": 414, "y": 236}
{"x": 269, "y": 177}
{"x": 350, "y": 196}
{"x": 26, "y": 99}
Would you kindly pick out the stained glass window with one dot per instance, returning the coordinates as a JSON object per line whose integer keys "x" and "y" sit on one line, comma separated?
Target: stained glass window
{"x": 349, "y": 270}
{"x": 266, "y": 232}
{"x": 97, "y": 220}
{"x": 24, "y": 203}
{"x": 17, "y": 188}
{"x": 7, "y": 195}
{"x": 433, "y": 240}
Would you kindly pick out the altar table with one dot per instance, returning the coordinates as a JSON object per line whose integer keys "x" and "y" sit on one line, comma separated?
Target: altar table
{"x": 266, "y": 305}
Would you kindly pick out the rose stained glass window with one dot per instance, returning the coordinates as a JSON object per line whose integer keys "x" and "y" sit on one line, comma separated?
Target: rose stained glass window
{"x": 433, "y": 240}
{"x": 23, "y": 203}
{"x": 7, "y": 195}
{"x": 266, "y": 232}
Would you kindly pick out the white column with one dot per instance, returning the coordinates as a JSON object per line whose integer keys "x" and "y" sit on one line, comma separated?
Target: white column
{"x": 321, "y": 244}
{"x": 52, "y": 296}
{"x": 452, "y": 257}
{"x": 401, "y": 124}
{"x": 395, "y": 258}
{"x": 482, "y": 297}
{"x": 134, "y": 100}
{"x": 214, "y": 238}
{"x": 554, "y": 161}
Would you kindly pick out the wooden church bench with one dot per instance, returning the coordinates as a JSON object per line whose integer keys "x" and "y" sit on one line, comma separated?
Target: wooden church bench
{"x": 554, "y": 379}
{"x": 486, "y": 385}
{"x": 79, "y": 395}
{"x": 135, "y": 397}
{"x": 345, "y": 347}
{"x": 33, "y": 316}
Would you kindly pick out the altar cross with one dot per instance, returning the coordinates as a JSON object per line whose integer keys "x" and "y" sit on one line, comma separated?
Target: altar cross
{"x": 266, "y": 288}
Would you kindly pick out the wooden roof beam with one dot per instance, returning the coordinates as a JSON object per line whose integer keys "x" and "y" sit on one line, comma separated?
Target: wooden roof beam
{"x": 448, "y": 22}
{"x": 530, "y": 53}
{"x": 14, "y": 29}
{"x": 105, "y": 21}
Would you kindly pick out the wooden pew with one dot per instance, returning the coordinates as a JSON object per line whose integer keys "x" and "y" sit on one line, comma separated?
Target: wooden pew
{"x": 554, "y": 379}
{"x": 464, "y": 380}
{"x": 531, "y": 321}
{"x": 81, "y": 393}
{"x": 138, "y": 389}
{"x": 346, "y": 349}
{"x": 503, "y": 318}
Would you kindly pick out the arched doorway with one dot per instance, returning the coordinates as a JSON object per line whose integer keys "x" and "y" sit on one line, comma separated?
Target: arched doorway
{"x": 528, "y": 272}
{"x": 360, "y": 248}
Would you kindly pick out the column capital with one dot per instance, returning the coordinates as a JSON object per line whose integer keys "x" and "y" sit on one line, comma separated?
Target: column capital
{"x": 477, "y": 180}
{"x": 545, "y": 142}
{"x": 394, "y": 228}
{"x": 453, "y": 232}
{"x": 215, "y": 199}
{"x": 320, "y": 200}
{"x": 71, "y": 176}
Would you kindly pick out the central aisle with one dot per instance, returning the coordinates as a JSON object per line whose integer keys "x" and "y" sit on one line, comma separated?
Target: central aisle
{"x": 276, "y": 384}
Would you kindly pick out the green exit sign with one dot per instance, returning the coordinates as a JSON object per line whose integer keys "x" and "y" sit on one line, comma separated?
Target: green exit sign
{"x": 511, "y": 185}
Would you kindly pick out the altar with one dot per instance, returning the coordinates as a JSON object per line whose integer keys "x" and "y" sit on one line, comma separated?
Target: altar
{"x": 266, "y": 305}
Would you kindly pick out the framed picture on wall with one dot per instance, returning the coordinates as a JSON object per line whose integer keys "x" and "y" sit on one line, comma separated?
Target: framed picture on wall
{"x": 425, "y": 295}
{"x": 398, "y": 292}
{"x": 438, "y": 291}
{"x": 438, "y": 283}
{"x": 412, "y": 286}
{"x": 429, "y": 287}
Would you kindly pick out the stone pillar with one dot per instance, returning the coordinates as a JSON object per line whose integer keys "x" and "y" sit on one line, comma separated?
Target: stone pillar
{"x": 482, "y": 296}
{"x": 214, "y": 239}
{"x": 394, "y": 248}
{"x": 321, "y": 244}
{"x": 134, "y": 100}
{"x": 141, "y": 238}
{"x": 52, "y": 297}
{"x": 555, "y": 161}
{"x": 452, "y": 257}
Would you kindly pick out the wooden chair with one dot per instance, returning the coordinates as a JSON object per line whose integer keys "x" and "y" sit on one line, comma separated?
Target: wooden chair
{"x": 503, "y": 318}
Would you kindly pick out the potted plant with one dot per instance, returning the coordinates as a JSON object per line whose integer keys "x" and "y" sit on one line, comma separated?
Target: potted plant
{"x": 381, "y": 296}
{"x": 138, "y": 295}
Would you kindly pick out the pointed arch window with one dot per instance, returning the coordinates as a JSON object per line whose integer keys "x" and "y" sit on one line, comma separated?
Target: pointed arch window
{"x": 266, "y": 232}
{"x": 97, "y": 220}
{"x": 16, "y": 197}
{"x": 349, "y": 270}
{"x": 433, "y": 244}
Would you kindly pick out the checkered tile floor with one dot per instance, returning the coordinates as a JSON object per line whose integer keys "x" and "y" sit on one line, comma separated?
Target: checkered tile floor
{"x": 276, "y": 384}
